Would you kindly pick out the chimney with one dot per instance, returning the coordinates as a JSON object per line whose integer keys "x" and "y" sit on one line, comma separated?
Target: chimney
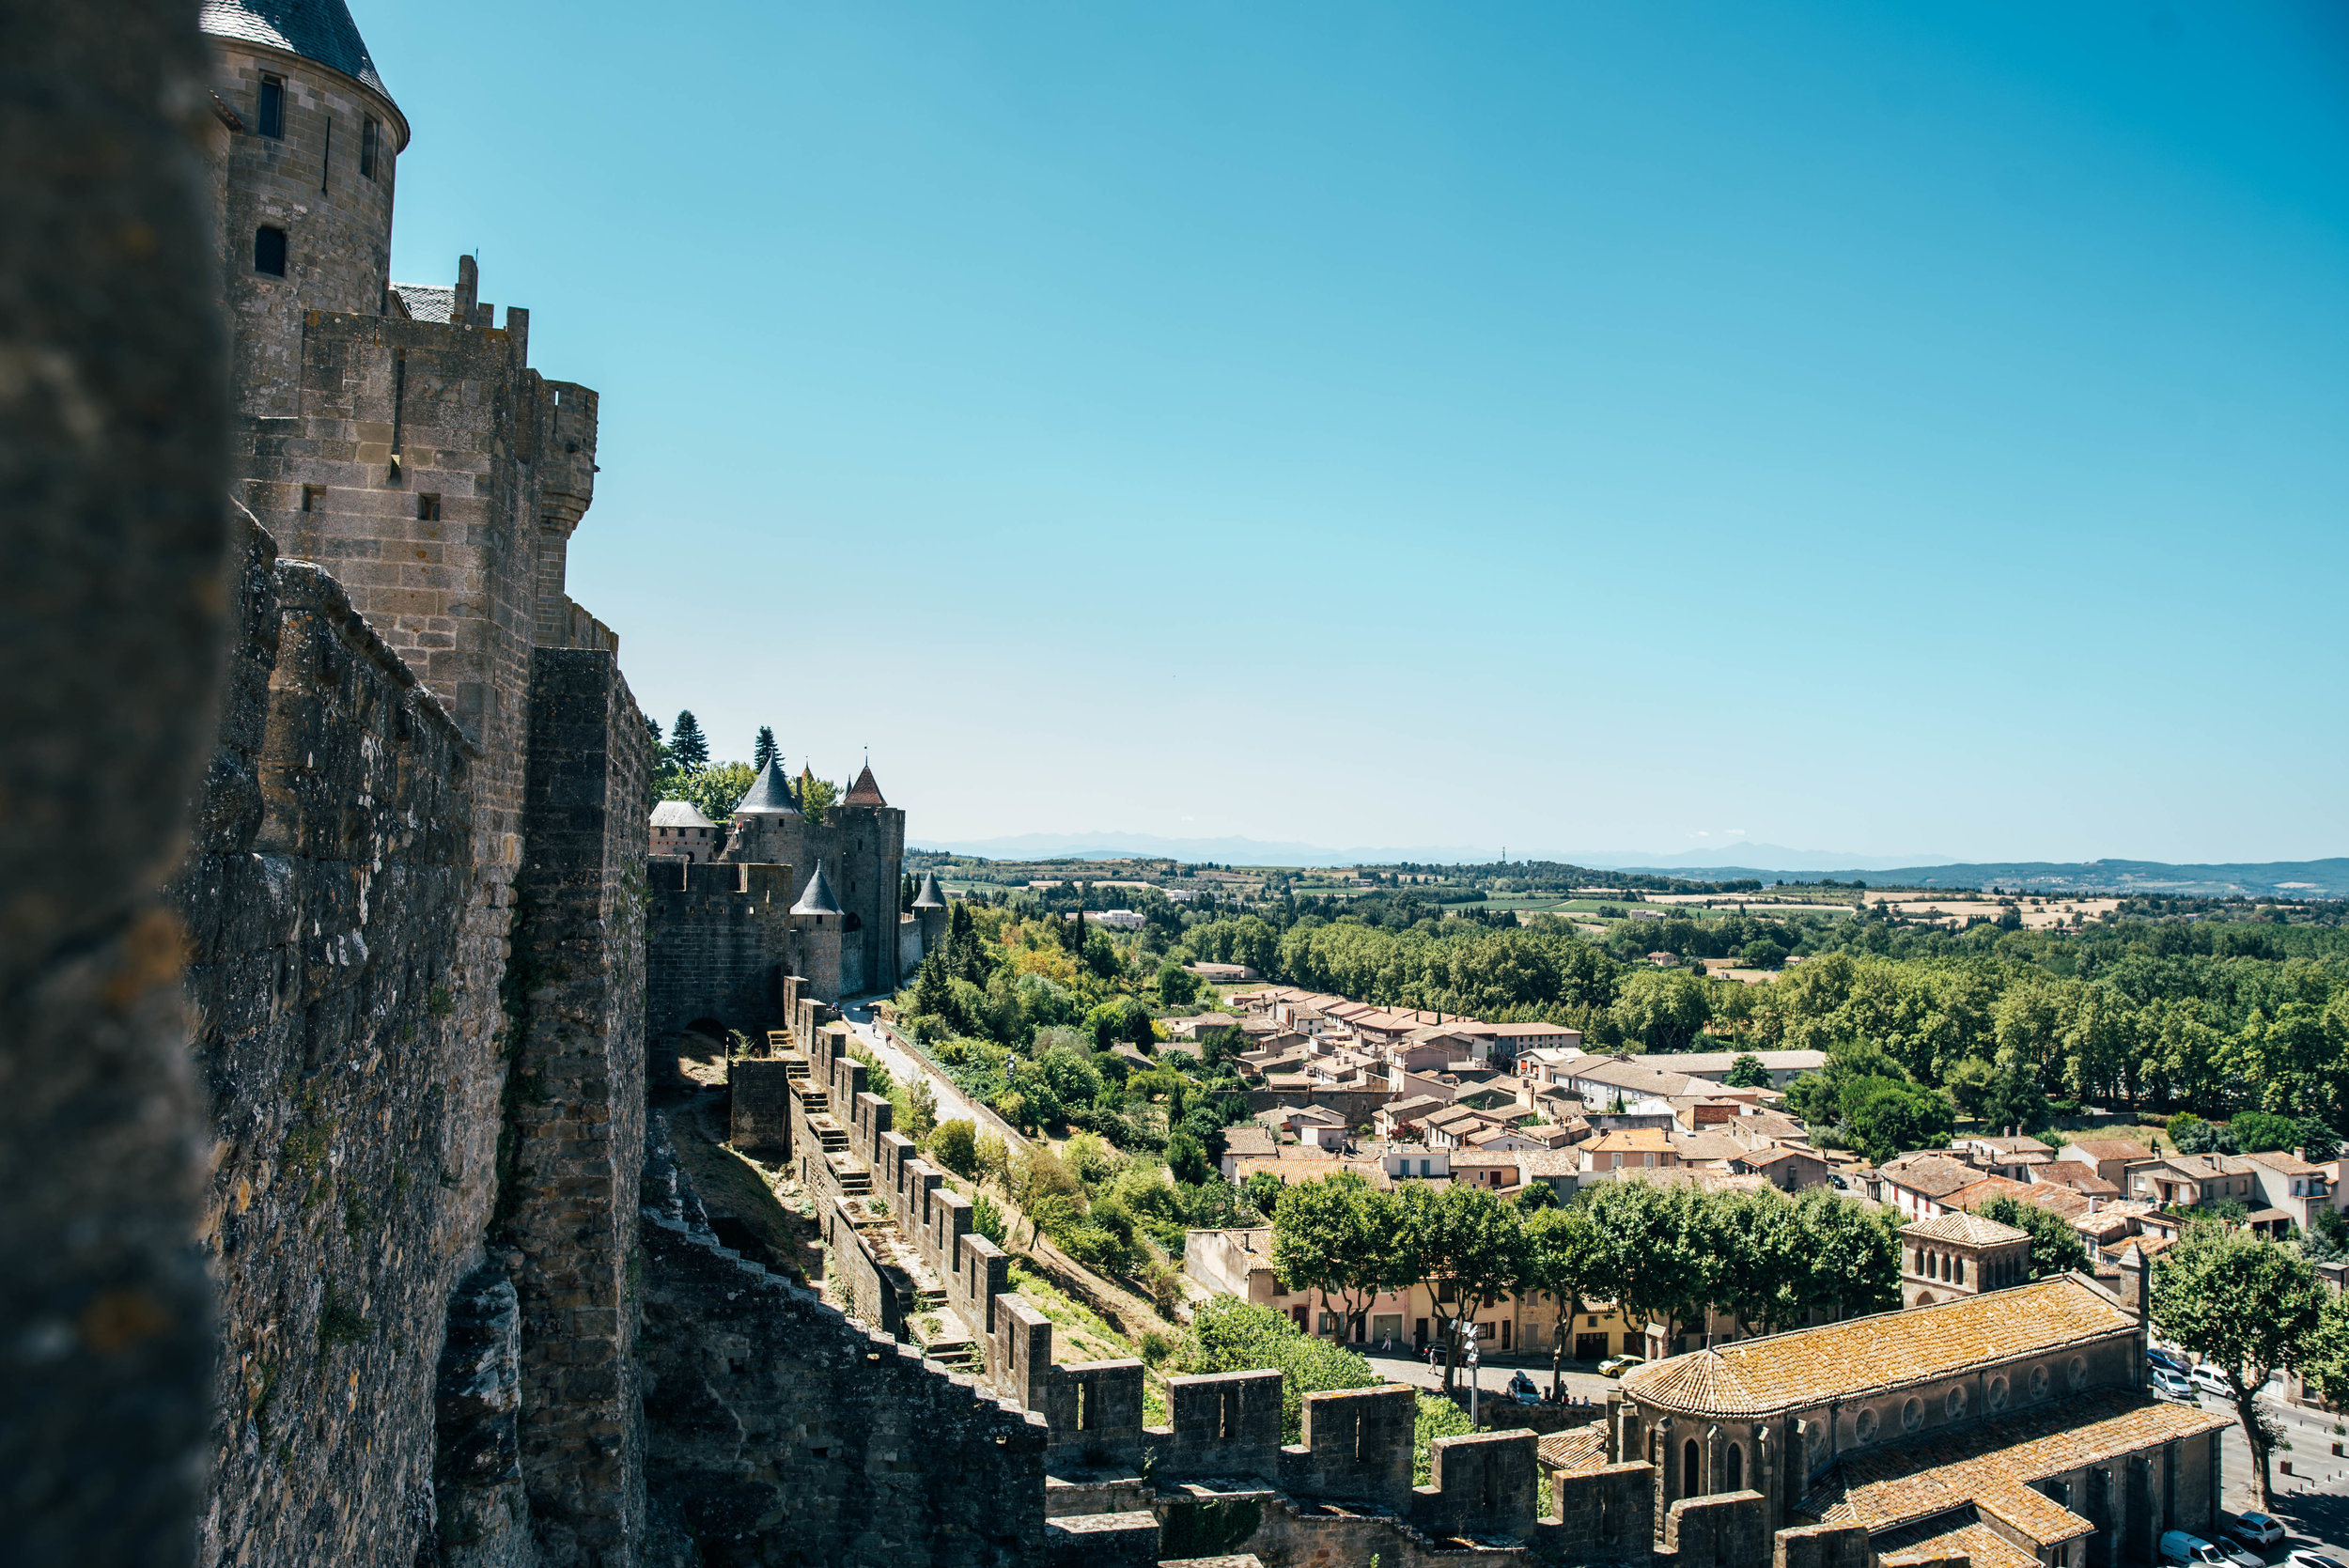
{"x": 2300, "y": 1154}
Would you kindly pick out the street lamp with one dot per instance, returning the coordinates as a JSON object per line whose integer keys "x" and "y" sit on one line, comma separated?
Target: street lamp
{"x": 1472, "y": 1363}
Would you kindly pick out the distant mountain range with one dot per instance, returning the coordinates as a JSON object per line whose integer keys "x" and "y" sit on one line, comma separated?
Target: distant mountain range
{"x": 2320, "y": 878}
{"x": 2326, "y": 879}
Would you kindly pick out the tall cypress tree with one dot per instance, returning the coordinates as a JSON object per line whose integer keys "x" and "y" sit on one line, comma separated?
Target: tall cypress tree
{"x": 687, "y": 743}
{"x": 764, "y": 753}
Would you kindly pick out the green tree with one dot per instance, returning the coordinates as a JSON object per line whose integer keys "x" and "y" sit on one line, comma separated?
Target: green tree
{"x": 1228, "y": 1334}
{"x": 1561, "y": 1258}
{"x": 1648, "y": 1256}
{"x": 956, "y": 1147}
{"x": 1747, "y": 1072}
{"x": 1852, "y": 1252}
{"x": 1888, "y": 1117}
{"x": 1465, "y": 1244}
{"x": 2055, "y": 1247}
{"x": 762, "y": 750}
{"x": 1177, "y": 985}
{"x": 1187, "y": 1158}
{"x": 1264, "y": 1192}
{"x": 1340, "y": 1237}
{"x": 1757, "y": 1257}
{"x": 2325, "y": 1361}
{"x": 687, "y": 743}
{"x": 1763, "y": 954}
{"x": 816, "y": 797}
{"x": 1664, "y": 1009}
{"x": 2246, "y": 1306}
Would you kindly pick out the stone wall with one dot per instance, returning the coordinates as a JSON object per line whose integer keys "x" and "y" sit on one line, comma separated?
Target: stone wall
{"x": 862, "y": 850}
{"x": 577, "y": 1105}
{"x": 780, "y": 1433}
{"x": 719, "y": 946}
{"x": 342, "y": 1051}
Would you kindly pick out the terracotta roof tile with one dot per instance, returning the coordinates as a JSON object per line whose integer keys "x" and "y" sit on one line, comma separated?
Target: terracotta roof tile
{"x": 1992, "y": 1465}
{"x": 1977, "y": 1541}
{"x": 1889, "y": 1350}
{"x": 1965, "y": 1229}
{"x": 1581, "y": 1448}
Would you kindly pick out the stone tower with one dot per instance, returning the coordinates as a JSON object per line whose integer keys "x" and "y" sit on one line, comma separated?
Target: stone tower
{"x": 862, "y": 838}
{"x": 929, "y": 909}
{"x": 305, "y": 181}
{"x": 815, "y": 923}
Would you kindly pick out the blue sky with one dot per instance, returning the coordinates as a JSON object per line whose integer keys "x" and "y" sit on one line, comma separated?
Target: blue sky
{"x": 1889, "y": 429}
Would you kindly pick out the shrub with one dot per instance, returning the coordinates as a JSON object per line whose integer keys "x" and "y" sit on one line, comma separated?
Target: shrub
{"x": 986, "y": 1218}
{"x": 1436, "y": 1416}
{"x": 955, "y": 1145}
{"x": 1231, "y": 1335}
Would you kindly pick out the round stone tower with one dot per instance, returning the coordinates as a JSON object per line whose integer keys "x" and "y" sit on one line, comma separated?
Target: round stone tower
{"x": 930, "y": 909}
{"x": 303, "y": 181}
{"x": 816, "y": 921}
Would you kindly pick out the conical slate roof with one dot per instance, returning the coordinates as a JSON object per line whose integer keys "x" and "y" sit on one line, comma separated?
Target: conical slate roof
{"x": 864, "y": 792}
{"x": 817, "y": 898}
{"x": 319, "y": 30}
{"x": 769, "y": 796}
{"x": 931, "y": 896}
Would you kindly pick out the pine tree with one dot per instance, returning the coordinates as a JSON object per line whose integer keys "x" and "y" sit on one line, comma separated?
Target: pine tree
{"x": 652, "y": 727}
{"x": 687, "y": 743}
{"x": 764, "y": 753}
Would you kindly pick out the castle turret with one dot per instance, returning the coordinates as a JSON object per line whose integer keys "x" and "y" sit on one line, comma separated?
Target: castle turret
{"x": 930, "y": 908}
{"x": 762, "y": 820}
{"x": 816, "y": 921}
{"x": 305, "y": 181}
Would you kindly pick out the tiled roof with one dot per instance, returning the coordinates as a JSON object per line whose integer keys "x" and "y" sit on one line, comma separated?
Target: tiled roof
{"x": 1581, "y": 1448}
{"x": 864, "y": 792}
{"x": 1968, "y": 1230}
{"x": 427, "y": 301}
{"x": 1992, "y": 1465}
{"x": 2111, "y": 1148}
{"x": 2051, "y": 1196}
{"x": 1934, "y": 1175}
{"x": 1632, "y": 1140}
{"x": 679, "y": 814}
{"x": 1248, "y": 1141}
{"x": 1889, "y": 1350}
{"x": 2288, "y": 1163}
{"x": 1976, "y": 1541}
{"x": 319, "y": 30}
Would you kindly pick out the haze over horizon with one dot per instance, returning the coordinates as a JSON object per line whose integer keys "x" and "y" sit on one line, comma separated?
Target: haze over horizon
{"x": 1832, "y": 425}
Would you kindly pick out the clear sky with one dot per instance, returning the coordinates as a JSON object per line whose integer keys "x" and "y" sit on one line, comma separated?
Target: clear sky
{"x": 1880, "y": 428}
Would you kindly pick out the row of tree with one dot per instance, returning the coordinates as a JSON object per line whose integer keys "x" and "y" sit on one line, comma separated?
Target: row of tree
{"x": 1666, "y": 1254}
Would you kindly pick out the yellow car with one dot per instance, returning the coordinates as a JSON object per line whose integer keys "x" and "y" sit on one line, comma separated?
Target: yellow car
{"x": 1616, "y": 1366}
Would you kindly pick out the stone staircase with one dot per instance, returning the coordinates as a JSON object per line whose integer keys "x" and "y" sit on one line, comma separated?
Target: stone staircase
{"x": 952, "y": 1347}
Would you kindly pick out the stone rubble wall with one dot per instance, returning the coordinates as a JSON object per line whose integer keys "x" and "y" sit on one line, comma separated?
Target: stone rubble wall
{"x": 337, "y": 1036}
{"x": 782, "y": 1432}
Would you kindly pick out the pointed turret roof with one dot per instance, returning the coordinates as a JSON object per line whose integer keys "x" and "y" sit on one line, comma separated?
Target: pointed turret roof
{"x": 815, "y": 898}
{"x": 319, "y": 30}
{"x": 931, "y": 896}
{"x": 769, "y": 796}
{"x": 864, "y": 792}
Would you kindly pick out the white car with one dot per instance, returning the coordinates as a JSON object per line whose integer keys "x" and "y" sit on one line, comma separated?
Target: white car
{"x": 2306, "y": 1558}
{"x": 2168, "y": 1385}
{"x": 2257, "y": 1529}
{"x": 2192, "y": 1551}
{"x": 2211, "y": 1381}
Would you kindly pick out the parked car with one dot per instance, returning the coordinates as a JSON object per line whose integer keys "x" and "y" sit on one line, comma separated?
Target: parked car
{"x": 2168, "y": 1385}
{"x": 1616, "y": 1366}
{"x": 2307, "y": 1559}
{"x": 2211, "y": 1381}
{"x": 2192, "y": 1551}
{"x": 2257, "y": 1529}
{"x": 2168, "y": 1360}
{"x": 1521, "y": 1387}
